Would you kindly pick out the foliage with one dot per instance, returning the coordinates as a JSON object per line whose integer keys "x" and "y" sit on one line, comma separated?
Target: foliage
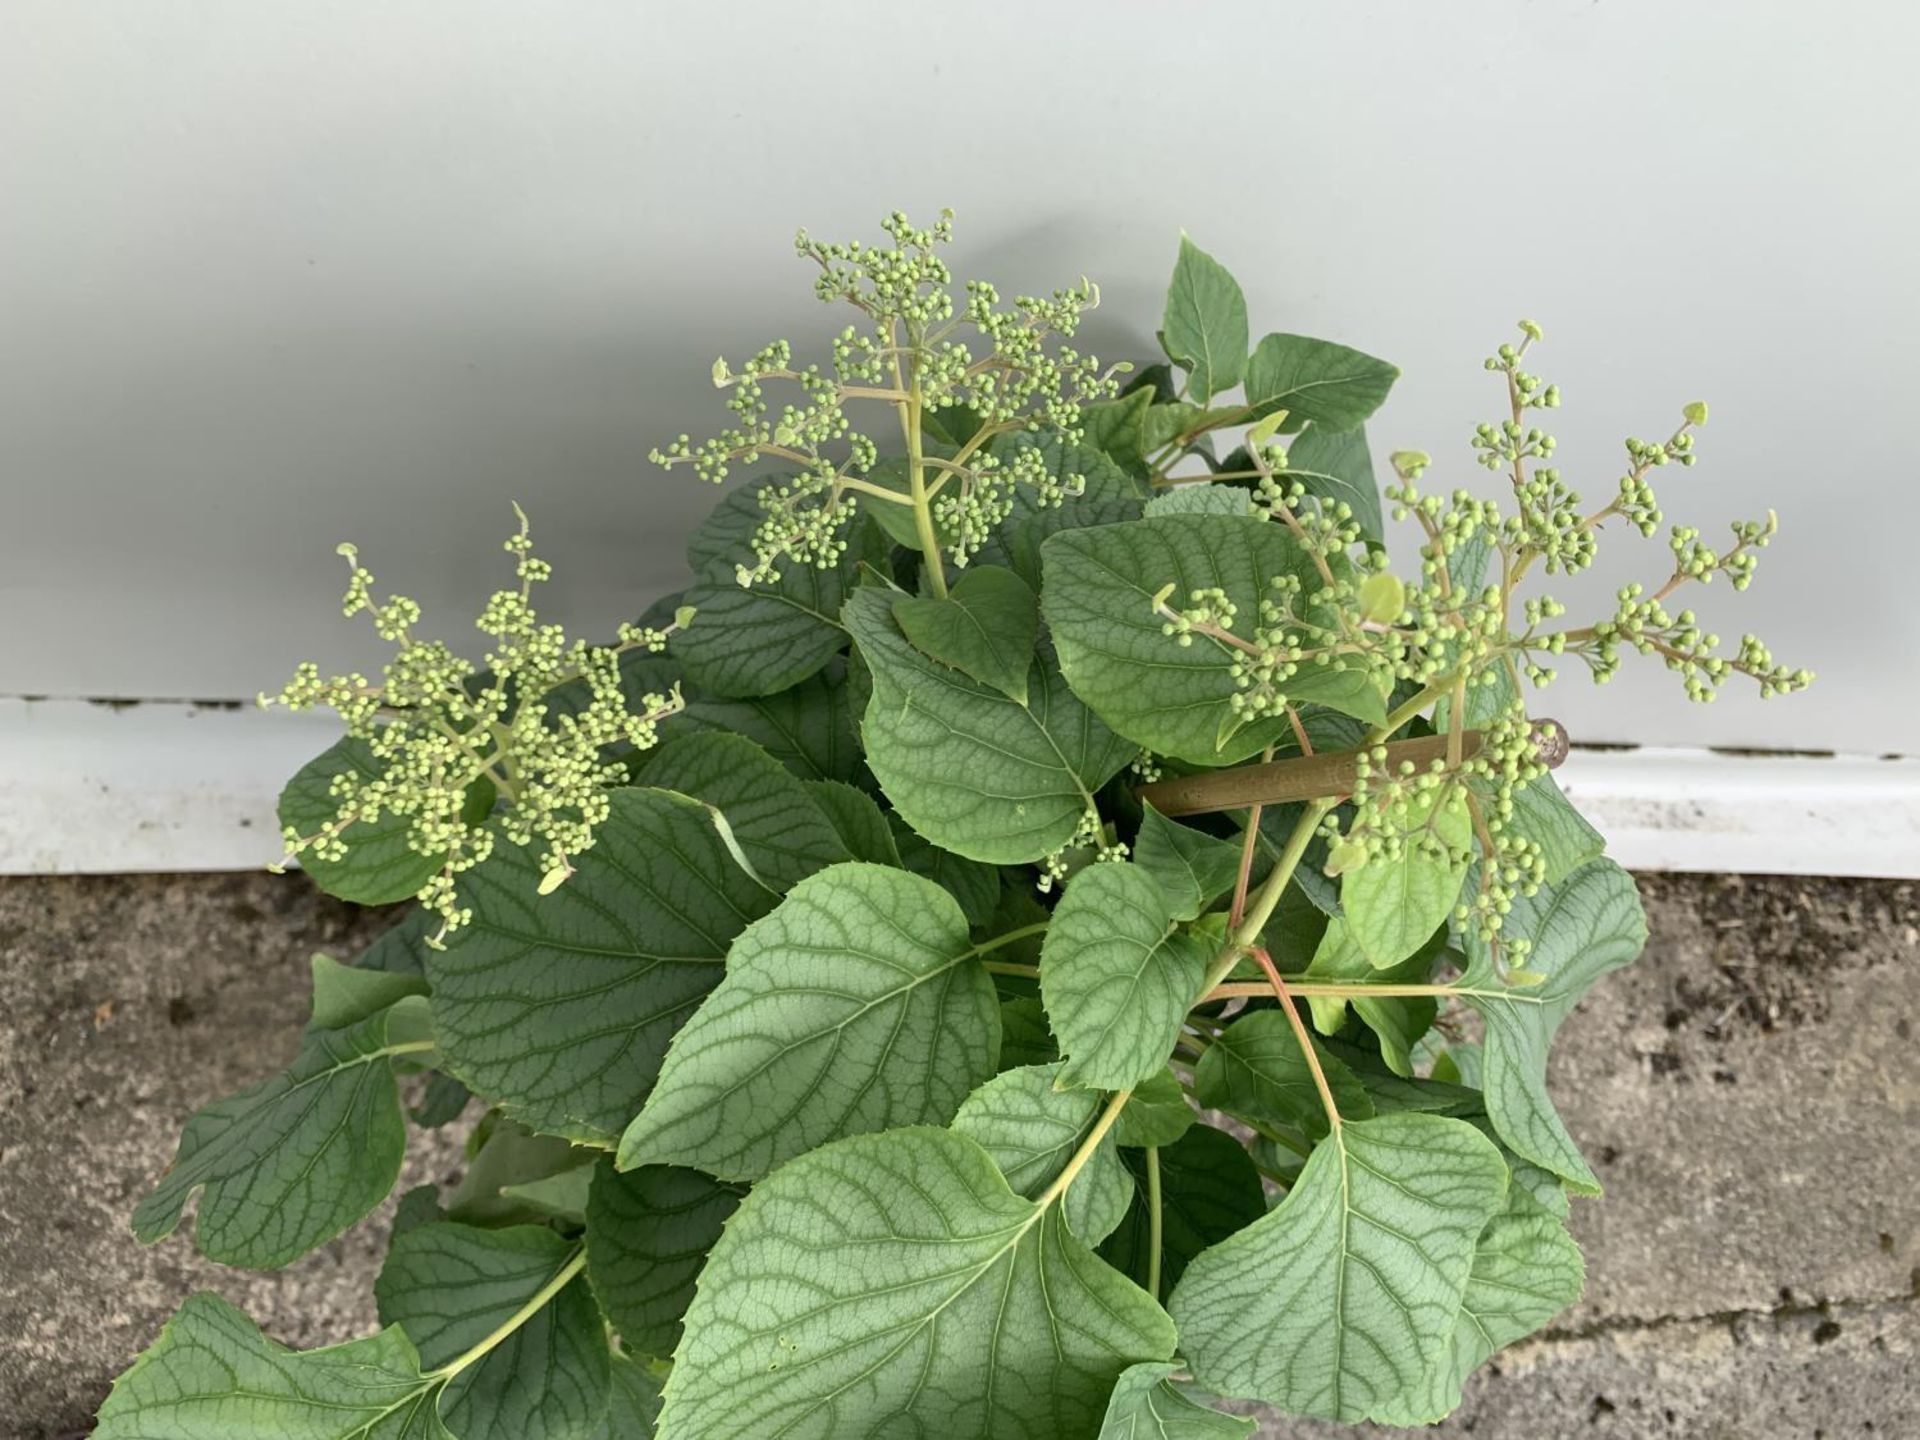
{"x": 875, "y": 1034}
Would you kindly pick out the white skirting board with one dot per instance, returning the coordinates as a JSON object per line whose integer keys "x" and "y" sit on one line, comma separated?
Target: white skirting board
{"x": 108, "y": 787}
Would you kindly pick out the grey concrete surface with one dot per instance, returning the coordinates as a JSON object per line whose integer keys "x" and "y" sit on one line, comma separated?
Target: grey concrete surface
{"x": 1745, "y": 1092}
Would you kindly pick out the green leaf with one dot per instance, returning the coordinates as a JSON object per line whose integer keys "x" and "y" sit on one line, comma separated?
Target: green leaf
{"x": 974, "y": 885}
{"x": 1209, "y": 1189}
{"x": 1581, "y": 929}
{"x": 291, "y": 1162}
{"x": 379, "y": 866}
{"x": 858, "y": 1004}
{"x": 1117, "y": 977}
{"x": 1099, "y": 599}
{"x": 442, "y": 1101}
{"x": 1205, "y": 325}
{"x": 893, "y": 1284}
{"x": 1256, "y": 1070}
{"x": 1336, "y": 1303}
{"x": 971, "y": 770}
{"x": 510, "y": 1158}
{"x": 1117, "y": 428}
{"x": 1393, "y": 1093}
{"x": 1155, "y": 381}
{"x": 861, "y": 825}
{"x": 1392, "y": 907}
{"x": 345, "y": 994}
{"x": 1526, "y": 1270}
{"x": 1157, "y": 1112}
{"x": 1191, "y": 867}
{"x": 558, "y": 1008}
{"x": 987, "y": 628}
{"x": 1336, "y": 465}
{"x": 450, "y": 1287}
{"x": 561, "y": 1197}
{"x": 213, "y": 1376}
{"x": 773, "y": 816}
{"x": 1032, "y": 1130}
{"x": 1199, "y": 498}
{"x": 648, "y": 1234}
{"x": 809, "y": 727}
{"x": 749, "y": 641}
{"x": 634, "y": 1406}
{"x": 1024, "y": 1036}
{"x": 402, "y": 948}
{"x": 1146, "y": 1403}
{"x": 1331, "y": 385}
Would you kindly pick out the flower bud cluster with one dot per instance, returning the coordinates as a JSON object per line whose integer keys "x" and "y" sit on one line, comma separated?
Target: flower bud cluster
{"x": 907, "y": 352}
{"x": 450, "y": 737}
{"x": 981, "y": 496}
{"x": 1092, "y": 843}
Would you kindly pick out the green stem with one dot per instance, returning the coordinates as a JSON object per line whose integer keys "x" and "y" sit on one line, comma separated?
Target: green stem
{"x": 519, "y": 1317}
{"x": 1115, "y": 1104}
{"x": 1153, "y": 1221}
{"x": 1256, "y": 989}
{"x": 1247, "y": 932}
{"x": 922, "y": 505}
{"x": 1010, "y": 967}
{"x": 1007, "y": 967}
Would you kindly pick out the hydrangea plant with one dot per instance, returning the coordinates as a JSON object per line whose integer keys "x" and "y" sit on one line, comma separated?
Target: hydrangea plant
{"x": 1053, "y": 926}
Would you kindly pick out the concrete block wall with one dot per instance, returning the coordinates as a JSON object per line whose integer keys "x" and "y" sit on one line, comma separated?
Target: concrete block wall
{"x": 1746, "y": 1092}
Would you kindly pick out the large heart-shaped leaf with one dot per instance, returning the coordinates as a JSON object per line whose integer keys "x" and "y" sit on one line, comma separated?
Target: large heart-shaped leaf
{"x": 1031, "y": 1129}
{"x": 291, "y": 1162}
{"x": 648, "y": 1234}
{"x": 559, "y": 1007}
{"x": 213, "y": 1376}
{"x": 1117, "y": 976}
{"x": 1582, "y": 928}
{"x": 973, "y": 771}
{"x": 1337, "y": 1303}
{"x": 450, "y": 1287}
{"x": 892, "y": 1285}
{"x": 859, "y": 1004}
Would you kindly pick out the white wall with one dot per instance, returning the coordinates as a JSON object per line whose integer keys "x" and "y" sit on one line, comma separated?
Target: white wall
{"x": 273, "y": 275}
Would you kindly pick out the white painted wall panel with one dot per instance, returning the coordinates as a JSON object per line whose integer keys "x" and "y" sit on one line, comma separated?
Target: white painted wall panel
{"x": 272, "y": 275}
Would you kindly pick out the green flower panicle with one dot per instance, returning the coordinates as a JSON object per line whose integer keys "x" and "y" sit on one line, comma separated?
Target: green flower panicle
{"x": 989, "y": 367}
{"x": 470, "y": 752}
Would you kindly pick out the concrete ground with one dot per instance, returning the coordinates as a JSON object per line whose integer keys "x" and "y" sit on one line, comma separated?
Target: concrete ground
{"x": 1745, "y": 1092}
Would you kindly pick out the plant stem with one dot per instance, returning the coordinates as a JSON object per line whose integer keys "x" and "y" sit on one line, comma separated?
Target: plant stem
{"x": 1153, "y": 1221}
{"x": 922, "y": 505}
{"x": 1008, "y": 967}
{"x": 1253, "y": 989}
{"x": 1115, "y": 1104}
{"x": 519, "y": 1317}
{"x": 1268, "y": 899}
{"x": 1301, "y": 1036}
{"x": 1329, "y": 774}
